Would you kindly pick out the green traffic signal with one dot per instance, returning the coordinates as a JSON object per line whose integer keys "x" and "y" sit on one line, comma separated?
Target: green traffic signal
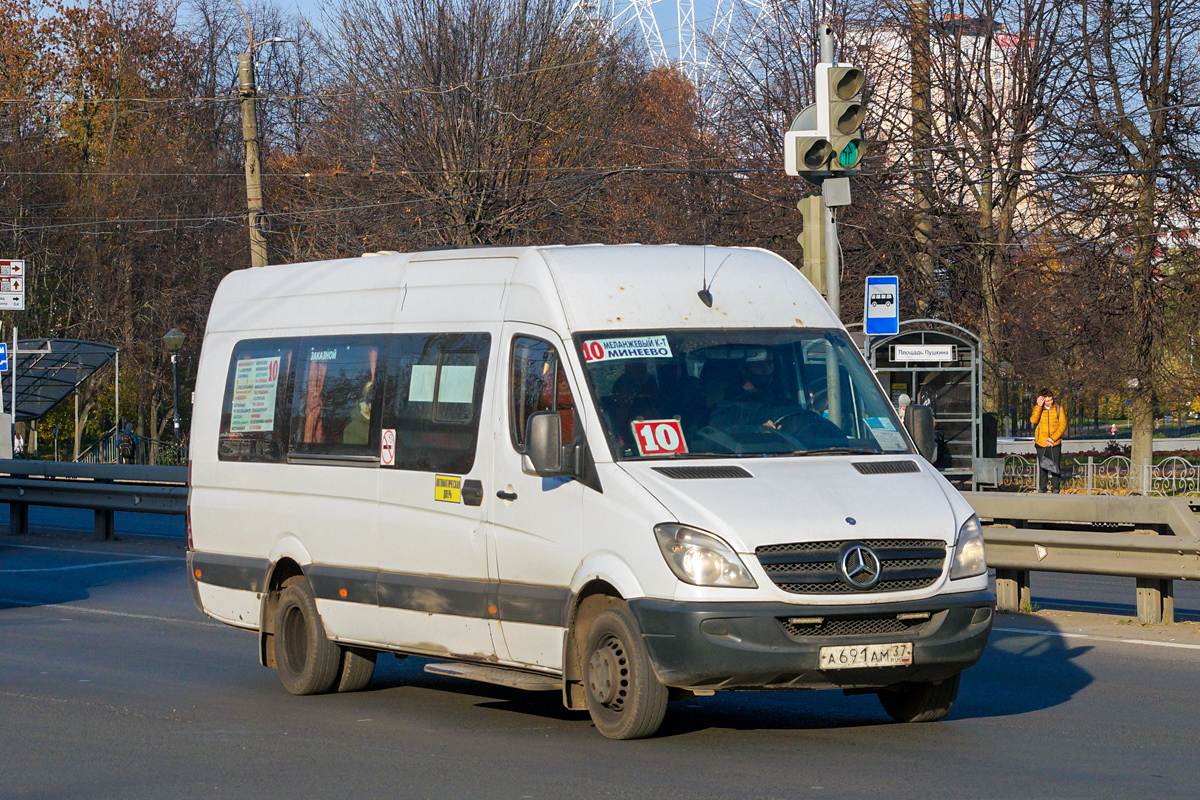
{"x": 852, "y": 153}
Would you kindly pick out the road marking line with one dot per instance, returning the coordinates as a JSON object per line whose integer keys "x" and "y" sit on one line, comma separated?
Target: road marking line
{"x": 75, "y": 566}
{"x": 87, "y": 552}
{"x": 1065, "y": 635}
{"x": 106, "y": 613}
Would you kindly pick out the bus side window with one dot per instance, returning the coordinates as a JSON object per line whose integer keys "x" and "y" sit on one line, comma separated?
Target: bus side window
{"x": 336, "y": 409}
{"x": 254, "y": 413}
{"x": 539, "y": 383}
{"x": 435, "y": 399}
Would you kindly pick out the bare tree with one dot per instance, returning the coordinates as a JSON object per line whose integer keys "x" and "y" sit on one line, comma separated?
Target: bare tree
{"x": 1128, "y": 131}
{"x": 462, "y": 121}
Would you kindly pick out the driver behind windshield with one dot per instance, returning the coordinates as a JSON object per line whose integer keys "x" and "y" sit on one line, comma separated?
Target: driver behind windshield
{"x": 734, "y": 393}
{"x": 759, "y": 384}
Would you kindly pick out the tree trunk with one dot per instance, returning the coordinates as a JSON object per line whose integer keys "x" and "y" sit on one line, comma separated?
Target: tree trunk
{"x": 1142, "y": 407}
{"x": 922, "y": 144}
{"x": 989, "y": 267}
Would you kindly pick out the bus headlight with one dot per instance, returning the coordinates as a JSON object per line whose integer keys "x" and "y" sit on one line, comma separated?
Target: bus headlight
{"x": 700, "y": 558}
{"x": 969, "y": 558}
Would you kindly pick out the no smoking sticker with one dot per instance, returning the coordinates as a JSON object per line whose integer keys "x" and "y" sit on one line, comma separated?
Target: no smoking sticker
{"x": 659, "y": 437}
{"x": 387, "y": 448}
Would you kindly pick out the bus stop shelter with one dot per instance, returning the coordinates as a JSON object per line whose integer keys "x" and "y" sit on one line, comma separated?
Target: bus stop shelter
{"x": 937, "y": 364}
{"x": 48, "y": 370}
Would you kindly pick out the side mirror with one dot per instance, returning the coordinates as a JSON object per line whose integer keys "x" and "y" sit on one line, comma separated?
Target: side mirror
{"x": 543, "y": 443}
{"x": 918, "y": 419}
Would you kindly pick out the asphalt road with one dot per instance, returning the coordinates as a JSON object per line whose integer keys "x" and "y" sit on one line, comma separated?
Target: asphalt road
{"x": 113, "y": 685}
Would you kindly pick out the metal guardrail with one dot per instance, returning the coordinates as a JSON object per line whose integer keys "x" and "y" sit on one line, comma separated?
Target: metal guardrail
{"x": 1155, "y": 540}
{"x": 104, "y": 488}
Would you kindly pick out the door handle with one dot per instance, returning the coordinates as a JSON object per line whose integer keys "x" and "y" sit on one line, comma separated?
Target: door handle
{"x": 503, "y": 495}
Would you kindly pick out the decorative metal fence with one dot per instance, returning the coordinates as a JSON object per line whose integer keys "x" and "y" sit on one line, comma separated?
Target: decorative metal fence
{"x": 153, "y": 452}
{"x": 1115, "y": 475}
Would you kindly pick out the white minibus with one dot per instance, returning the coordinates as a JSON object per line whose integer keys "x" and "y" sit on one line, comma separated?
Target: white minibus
{"x": 628, "y": 474}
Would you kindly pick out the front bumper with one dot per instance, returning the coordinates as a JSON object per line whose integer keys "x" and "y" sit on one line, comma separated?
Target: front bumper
{"x": 745, "y": 645}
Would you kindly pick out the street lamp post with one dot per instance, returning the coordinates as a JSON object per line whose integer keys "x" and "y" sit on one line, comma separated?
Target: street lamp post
{"x": 173, "y": 341}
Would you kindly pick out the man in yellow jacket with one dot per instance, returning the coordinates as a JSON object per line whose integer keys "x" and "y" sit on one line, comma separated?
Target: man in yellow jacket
{"x": 1049, "y": 422}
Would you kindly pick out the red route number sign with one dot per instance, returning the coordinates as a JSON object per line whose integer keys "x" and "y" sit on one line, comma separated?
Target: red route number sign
{"x": 659, "y": 437}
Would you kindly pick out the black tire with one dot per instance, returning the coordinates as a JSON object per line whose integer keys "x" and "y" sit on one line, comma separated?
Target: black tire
{"x": 357, "y": 668}
{"x": 307, "y": 661}
{"x": 624, "y": 697}
{"x": 920, "y": 702}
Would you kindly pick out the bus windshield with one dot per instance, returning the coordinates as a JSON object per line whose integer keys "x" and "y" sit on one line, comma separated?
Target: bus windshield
{"x": 722, "y": 393}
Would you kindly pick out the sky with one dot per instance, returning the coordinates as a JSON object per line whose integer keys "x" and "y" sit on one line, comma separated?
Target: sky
{"x": 664, "y": 10}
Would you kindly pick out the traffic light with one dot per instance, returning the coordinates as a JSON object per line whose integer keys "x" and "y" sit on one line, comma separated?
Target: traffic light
{"x": 840, "y": 114}
{"x": 826, "y": 138}
{"x": 805, "y": 148}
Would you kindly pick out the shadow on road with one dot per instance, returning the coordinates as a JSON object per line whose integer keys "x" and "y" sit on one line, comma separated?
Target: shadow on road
{"x": 1019, "y": 674}
{"x": 44, "y": 569}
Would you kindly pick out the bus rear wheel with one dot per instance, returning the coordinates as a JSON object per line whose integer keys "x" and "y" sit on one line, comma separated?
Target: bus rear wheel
{"x": 920, "y": 702}
{"x": 307, "y": 661}
{"x": 357, "y": 667}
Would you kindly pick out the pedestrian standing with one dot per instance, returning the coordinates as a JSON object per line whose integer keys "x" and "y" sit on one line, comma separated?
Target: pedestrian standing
{"x": 1049, "y": 422}
{"x": 18, "y": 444}
{"x": 127, "y": 445}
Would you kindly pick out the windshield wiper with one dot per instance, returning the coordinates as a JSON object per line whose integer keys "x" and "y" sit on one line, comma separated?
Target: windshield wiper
{"x": 838, "y": 451}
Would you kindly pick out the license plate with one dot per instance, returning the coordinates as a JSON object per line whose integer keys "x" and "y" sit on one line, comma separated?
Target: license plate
{"x": 856, "y": 656}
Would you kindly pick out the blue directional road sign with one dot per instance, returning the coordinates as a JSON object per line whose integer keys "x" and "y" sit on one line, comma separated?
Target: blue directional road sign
{"x": 3, "y": 357}
{"x": 881, "y": 315}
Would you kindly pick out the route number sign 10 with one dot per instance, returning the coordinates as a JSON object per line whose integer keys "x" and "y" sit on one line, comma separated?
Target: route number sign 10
{"x": 659, "y": 437}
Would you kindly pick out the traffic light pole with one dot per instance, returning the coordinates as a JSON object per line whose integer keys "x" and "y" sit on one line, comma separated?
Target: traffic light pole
{"x": 832, "y": 271}
{"x": 833, "y": 295}
{"x": 832, "y": 251}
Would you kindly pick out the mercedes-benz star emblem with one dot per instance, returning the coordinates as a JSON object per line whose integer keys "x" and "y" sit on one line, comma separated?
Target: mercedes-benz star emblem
{"x": 860, "y": 567}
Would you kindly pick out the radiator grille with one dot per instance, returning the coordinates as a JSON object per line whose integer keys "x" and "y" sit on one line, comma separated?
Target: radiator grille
{"x": 812, "y": 567}
{"x": 852, "y": 626}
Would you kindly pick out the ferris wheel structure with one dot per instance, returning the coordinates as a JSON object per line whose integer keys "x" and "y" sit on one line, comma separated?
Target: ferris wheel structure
{"x": 694, "y": 48}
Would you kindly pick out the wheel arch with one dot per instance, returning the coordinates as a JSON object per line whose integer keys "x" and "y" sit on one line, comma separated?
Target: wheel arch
{"x": 593, "y": 597}
{"x": 279, "y": 573}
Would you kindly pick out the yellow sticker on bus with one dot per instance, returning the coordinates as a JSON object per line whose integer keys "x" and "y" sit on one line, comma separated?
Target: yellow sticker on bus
{"x": 447, "y": 488}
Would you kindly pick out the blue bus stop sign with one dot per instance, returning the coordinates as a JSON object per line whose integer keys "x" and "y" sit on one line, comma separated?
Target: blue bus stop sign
{"x": 881, "y": 315}
{"x": 3, "y": 357}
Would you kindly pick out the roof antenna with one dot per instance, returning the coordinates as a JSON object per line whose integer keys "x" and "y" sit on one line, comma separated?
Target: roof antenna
{"x": 704, "y": 294}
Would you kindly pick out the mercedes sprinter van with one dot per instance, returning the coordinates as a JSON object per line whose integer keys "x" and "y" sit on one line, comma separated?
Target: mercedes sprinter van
{"x": 628, "y": 474}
